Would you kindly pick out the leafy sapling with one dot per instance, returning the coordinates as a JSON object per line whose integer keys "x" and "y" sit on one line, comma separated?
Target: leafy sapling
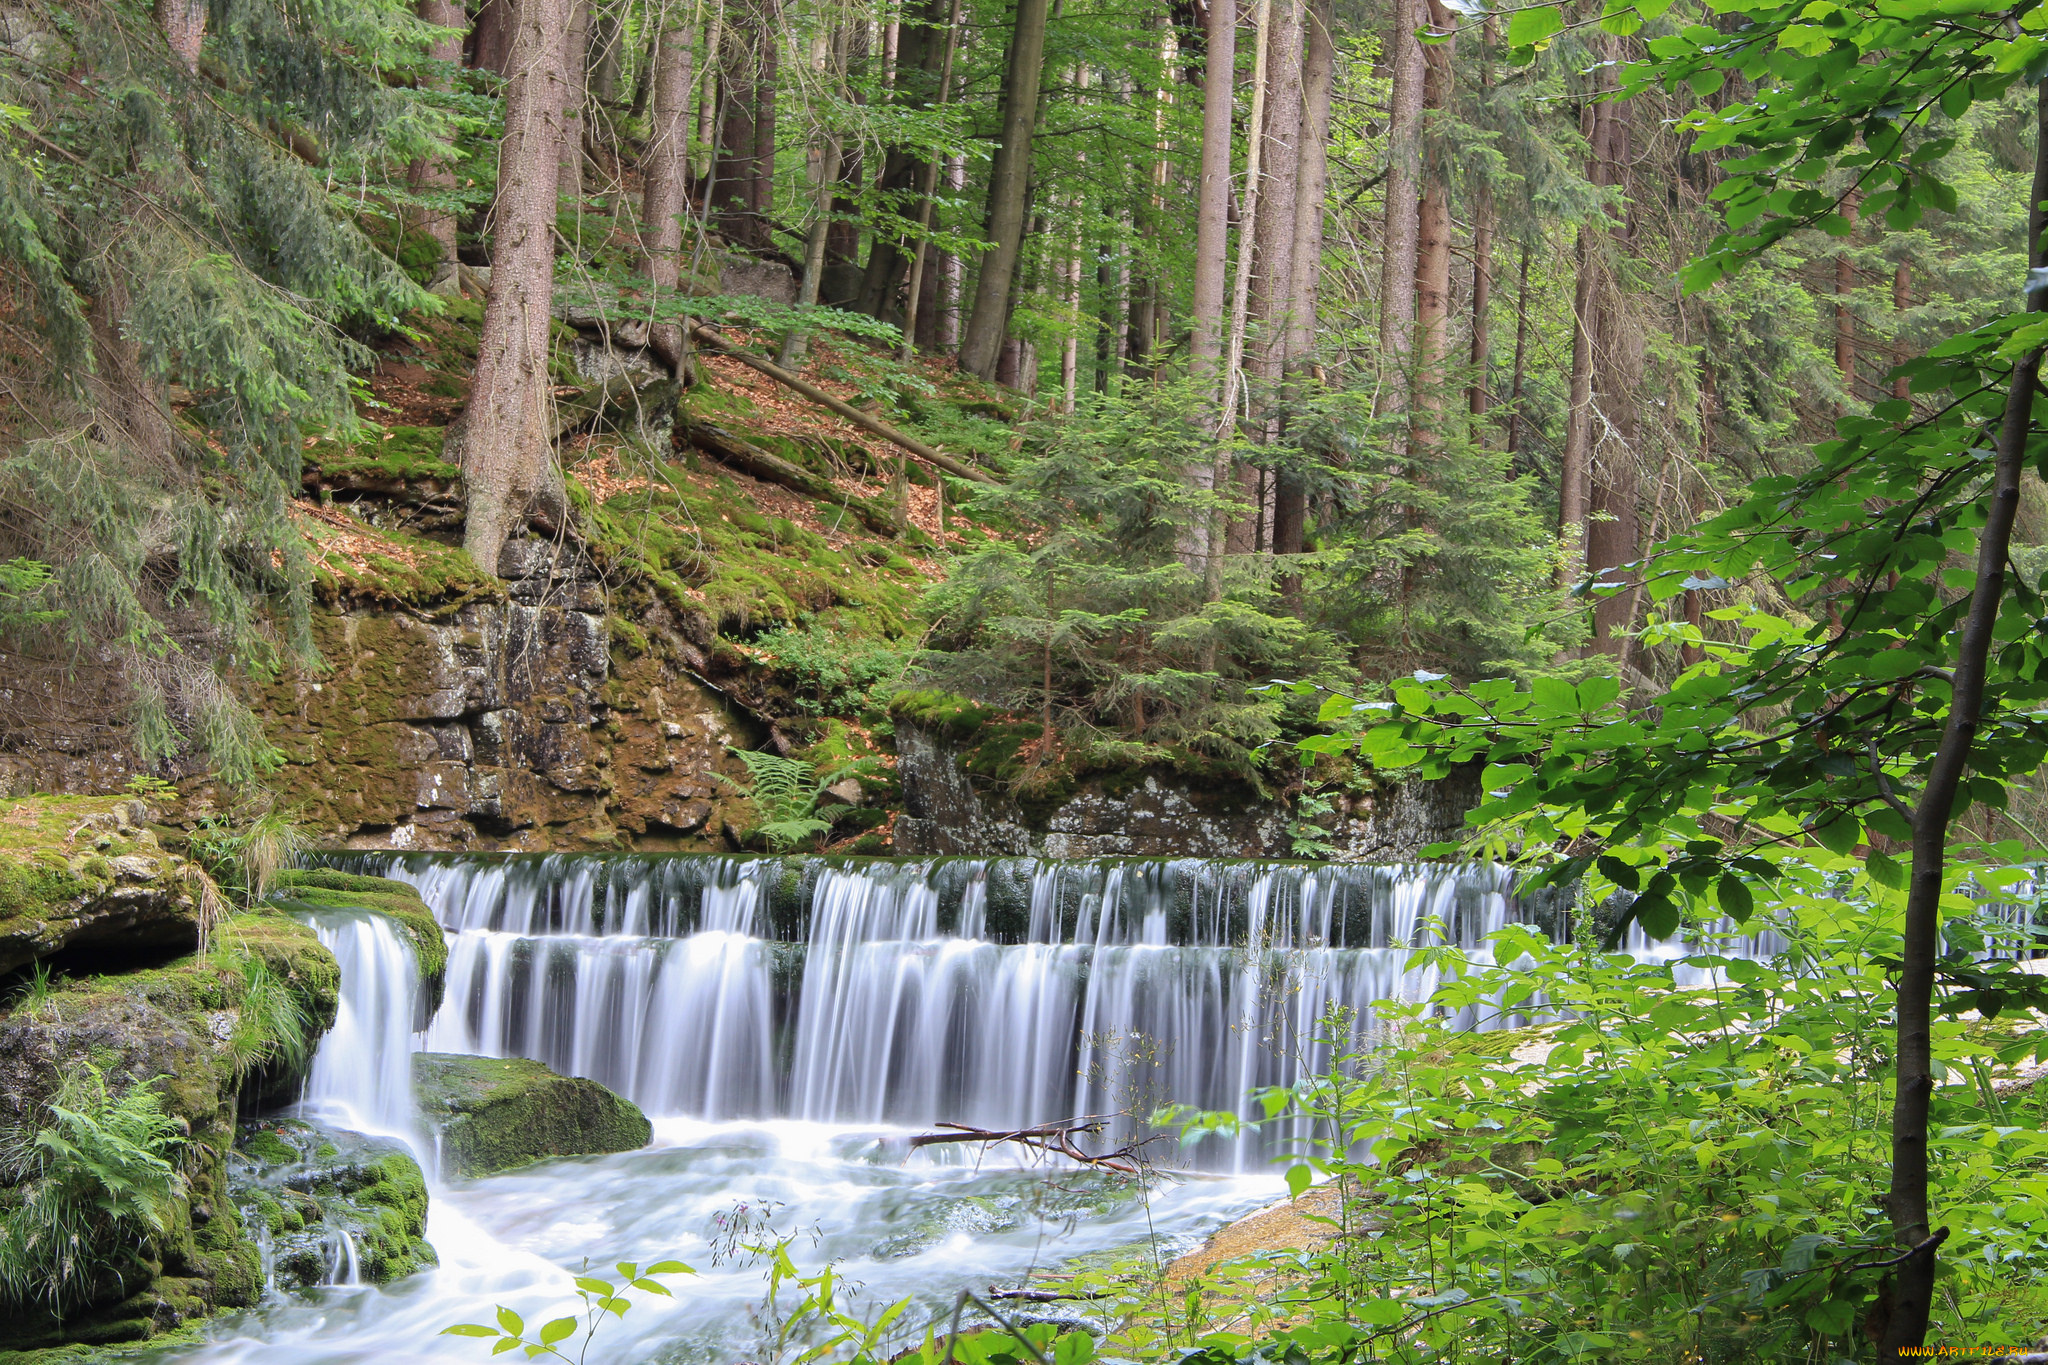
{"x": 600, "y": 1298}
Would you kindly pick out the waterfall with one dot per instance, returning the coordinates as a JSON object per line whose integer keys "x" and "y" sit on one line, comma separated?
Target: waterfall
{"x": 992, "y": 992}
{"x": 361, "y": 1076}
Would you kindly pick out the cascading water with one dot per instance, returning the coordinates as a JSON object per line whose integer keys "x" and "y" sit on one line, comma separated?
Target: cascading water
{"x": 994, "y": 993}
{"x": 361, "y": 1076}
{"x": 785, "y": 1020}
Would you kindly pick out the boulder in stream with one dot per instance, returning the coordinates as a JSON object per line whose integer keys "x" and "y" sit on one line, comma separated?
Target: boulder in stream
{"x": 493, "y": 1113}
{"x": 328, "y": 1206}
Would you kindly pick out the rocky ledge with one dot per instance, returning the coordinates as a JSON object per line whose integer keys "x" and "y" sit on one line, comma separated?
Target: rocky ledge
{"x": 328, "y": 1206}
{"x": 490, "y": 1114}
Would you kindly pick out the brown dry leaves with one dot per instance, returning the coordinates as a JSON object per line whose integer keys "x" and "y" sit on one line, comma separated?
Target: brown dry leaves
{"x": 339, "y": 537}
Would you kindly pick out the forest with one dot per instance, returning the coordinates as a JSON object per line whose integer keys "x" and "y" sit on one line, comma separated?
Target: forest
{"x": 1023, "y": 682}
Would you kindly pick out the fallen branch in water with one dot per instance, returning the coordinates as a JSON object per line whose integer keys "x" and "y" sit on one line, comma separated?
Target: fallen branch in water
{"x": 1057, "y": 1138}
{"x": 1048, "y": 1295}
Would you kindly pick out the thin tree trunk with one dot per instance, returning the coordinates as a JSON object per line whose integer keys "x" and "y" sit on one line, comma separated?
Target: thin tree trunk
{"x": 1845, "y": 320}
{"x": 1521, "y": 353}
{"x": 575, "y": 69}
{"x": 607, "y": 47}
{"x": 1240, "y": 300}
{"x": 707, "y": 104}
{"x": 663, "y": 167}
{"x": 432, "y": 174}
{"x": 952, "y": 270}
{"x": 1212, "y": 202}
{"x": 1912, "y": 1295}
{"x": 791, "y": 356}
{"x": 1902, "y": 299}
{"x": 924, "y": 207}
{"x": 1575, "y": 472}
{"x": 1290, "y": 494}
{"x": 1477, "y": 399}
{"x": 1398, "y": 244}
{"x": 1009, "y": 183}
{"x": 502, "y": 440}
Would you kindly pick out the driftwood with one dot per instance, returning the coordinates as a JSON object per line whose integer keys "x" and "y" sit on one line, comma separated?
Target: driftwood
{"x": 1057, "y": 1138}
{"x": 866, "y": 422}
{"x": 744, "y": 455}
{"x": 1048, "y": 1295}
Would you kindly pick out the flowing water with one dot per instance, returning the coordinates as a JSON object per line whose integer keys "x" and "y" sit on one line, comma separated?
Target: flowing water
{"x": 787, "y": 1022}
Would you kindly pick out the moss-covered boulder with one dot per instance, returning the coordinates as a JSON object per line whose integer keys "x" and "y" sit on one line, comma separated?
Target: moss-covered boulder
{"x": 202, "y": 1031}
{"x": 326, "y": 889}
{"x": 86, "y": 875}
{"x": 308, "y": 1194}
{"x": 494, "y": 1113}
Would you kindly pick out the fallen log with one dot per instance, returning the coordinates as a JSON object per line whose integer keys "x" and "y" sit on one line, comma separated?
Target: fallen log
{"x": 870, "y": 424}
{"x": 744, "y": 455}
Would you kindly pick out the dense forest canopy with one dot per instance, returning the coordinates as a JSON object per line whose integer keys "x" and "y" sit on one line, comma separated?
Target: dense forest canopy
{"x": 1635, "y": 403}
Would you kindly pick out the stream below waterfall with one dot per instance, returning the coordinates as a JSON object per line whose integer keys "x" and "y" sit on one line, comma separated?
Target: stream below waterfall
{"x": 786, "y": 1023}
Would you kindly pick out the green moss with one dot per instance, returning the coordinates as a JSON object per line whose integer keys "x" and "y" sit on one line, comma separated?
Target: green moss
{"x": 494, "y": 1113}
{"x": 400, "y": 454}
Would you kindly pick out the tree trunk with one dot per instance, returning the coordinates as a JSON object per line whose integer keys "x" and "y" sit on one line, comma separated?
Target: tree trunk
{"x": 791, "y": 356}
{"x": 1009, "y": 180}
{"x": 663, "y": 167}
{"x": 490, "y": 41}
{"x": 1432, "y": 240}
{"x": 1845, "y": 321}
{"x": 1902, "y": 299}
{"x": 184, "y": 26}
{"x": 914, "y": 297}
{"x": 575, "y": 70}
{"x": 502, "y": 440}
{"x": 607, "y": 47}
{"x": 707, "y": 108}
{"x": 1477, "y": 399}
{"x": 1521, "y": 353}
{"x": 1907, "y": 1201}
{"x": 1212, "y": 201}
{"x": 1398, "y": 245}
{"x": 431, "y": 174}
{"x": 1290, "y": 494}
{"x": 1574, "y": 484}
{"x": 952, "y": 270}
{"x": 1273, "y": 249}
{"x": 744, "y": 185}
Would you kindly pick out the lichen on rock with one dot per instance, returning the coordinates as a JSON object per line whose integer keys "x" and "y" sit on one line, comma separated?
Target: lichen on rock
{"x": 495, "y": 1113}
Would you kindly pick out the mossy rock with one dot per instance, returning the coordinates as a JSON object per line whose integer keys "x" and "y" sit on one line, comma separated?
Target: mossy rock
{"x": 191, "y": 1030}
{"x": 326, "y": 889}
{"x": 495, "y": 1113}
{"x": 306, "y": 1186}
{"x": 86, "y": 876}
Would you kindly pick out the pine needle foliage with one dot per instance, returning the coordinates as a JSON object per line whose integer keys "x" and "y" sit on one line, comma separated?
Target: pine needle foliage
{"x": 1096, "y": 619}
{"x": 93, "y": 1187}
{"x": 197, "y": 294}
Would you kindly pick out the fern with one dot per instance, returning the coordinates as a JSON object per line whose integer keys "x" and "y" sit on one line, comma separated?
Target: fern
{"x": 785, "y": 794}
{"x": 94, "y": 1187}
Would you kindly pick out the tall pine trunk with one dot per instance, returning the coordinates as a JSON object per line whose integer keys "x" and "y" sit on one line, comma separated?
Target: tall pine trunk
{"x": 1575, "y": 472}
{"x": 503, "y": 439}
{"x": 1212, "y": 196}
{"x": 1290, "y": 494}
{"x": 664, "y": 166}
{"x": 576, "y": 72}
{"x": 184, "y": 28}
{"x": 1432, "y": 240}
{"x": 1009, "y": 184}
{"x": 1397, "y": 256}
{"x": 430, "y": 174}
{"x": 1477, "y": 398}
{"x": 1845, "y": 319}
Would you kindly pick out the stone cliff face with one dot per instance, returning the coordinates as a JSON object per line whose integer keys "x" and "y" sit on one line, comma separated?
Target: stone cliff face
{"x": 1151, "y": 813}
{"x": 506, "y": 722}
